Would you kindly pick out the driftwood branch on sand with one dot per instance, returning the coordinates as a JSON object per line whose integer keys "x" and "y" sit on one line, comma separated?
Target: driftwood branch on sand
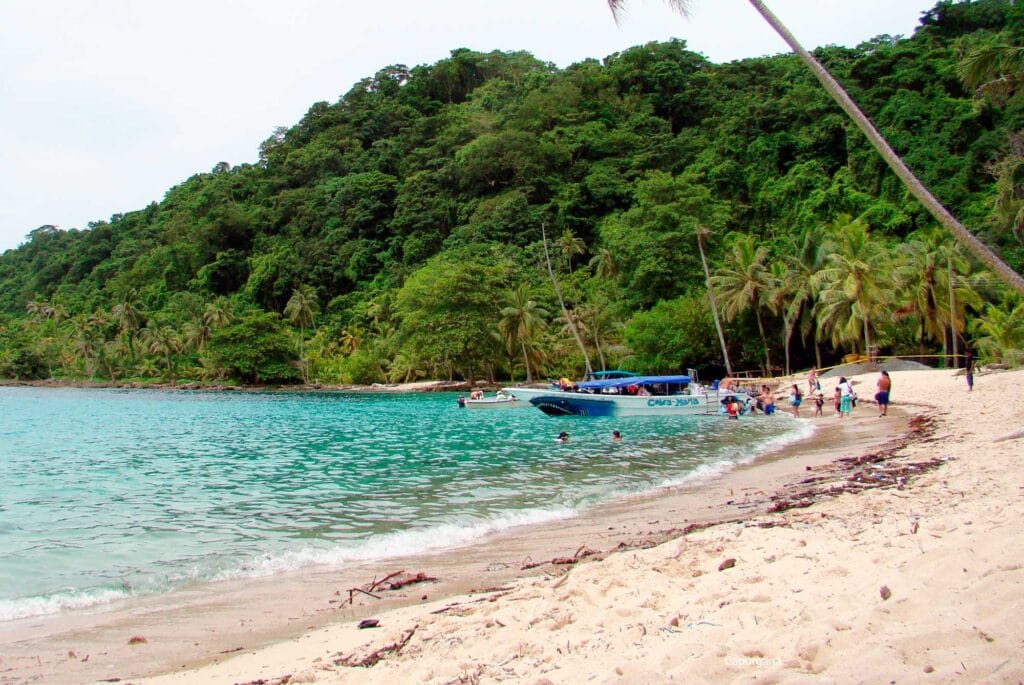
{"x": 1010, "y": 436}
{"x": 392, "y": 581}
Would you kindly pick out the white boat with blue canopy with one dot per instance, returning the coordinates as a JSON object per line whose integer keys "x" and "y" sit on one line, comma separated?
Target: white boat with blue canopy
{"x": 525, "y": 394}
{"x": 637, "y": 395}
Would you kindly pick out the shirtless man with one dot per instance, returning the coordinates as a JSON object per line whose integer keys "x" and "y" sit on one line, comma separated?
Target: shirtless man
{"x": 882, "y": 396}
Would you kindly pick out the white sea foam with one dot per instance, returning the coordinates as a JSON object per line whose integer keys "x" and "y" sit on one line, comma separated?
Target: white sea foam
{"x": 714, "y": 469}
{"x": 801, "y": 431}
{"x": 402, "y": 543}
{"x": 13, "y": 609}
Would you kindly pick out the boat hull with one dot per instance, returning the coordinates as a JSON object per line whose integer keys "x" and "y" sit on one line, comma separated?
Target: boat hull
{"x": 524, "y": 395}
{"x": 586, "y": 404}
{"x": 492, "y": 403}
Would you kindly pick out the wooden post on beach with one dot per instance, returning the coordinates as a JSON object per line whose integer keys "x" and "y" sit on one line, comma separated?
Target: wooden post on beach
{"x": 952, "y": 309}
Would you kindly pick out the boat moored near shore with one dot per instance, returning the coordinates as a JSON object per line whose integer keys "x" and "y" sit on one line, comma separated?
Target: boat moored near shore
{"x": 637, "y": 395}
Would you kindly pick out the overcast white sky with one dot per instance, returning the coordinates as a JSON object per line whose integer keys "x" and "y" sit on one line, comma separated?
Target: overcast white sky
{"x": 106, "y": 104}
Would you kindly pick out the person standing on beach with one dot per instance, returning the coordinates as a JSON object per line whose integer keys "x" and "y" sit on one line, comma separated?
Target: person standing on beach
{"x": 882, "y": 396}
{"x": 813, "y": 384}
{"x": 845, "y": 396}
{"x": 969, "y": 368}
{"x": 795, "y": 400}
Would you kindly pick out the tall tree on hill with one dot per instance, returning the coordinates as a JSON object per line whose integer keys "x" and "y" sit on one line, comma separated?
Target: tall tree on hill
{"x": 301, "y": 311}
{"x": 522, "y": 322}
{"x": 745, "y": 282}
{"x": 934, "y": 207}
{"x": 701, "y": 233}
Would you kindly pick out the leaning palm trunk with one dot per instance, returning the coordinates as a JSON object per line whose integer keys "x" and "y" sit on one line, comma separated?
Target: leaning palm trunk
{"x": 714, "y": 307}
{"x": 561, "y": 303}
{"x": 941, "y": 214}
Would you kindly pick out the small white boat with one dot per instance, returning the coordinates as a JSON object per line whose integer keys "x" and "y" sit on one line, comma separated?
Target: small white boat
{"x": 498, "y": 401}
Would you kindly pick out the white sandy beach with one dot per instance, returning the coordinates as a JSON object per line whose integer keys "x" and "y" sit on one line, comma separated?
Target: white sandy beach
{"x": 802, "y": 601}
{"x": 919, "y": 583}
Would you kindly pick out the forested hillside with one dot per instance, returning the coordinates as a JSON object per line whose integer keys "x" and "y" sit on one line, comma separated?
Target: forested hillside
{"x": 397, "y": 233}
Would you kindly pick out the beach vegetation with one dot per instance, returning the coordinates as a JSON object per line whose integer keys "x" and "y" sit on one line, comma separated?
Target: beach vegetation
{"x": 493, "y": 216}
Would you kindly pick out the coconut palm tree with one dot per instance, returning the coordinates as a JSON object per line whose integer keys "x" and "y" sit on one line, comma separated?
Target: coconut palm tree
{"x": 995, "y": 71}
{"x": 934, "y": 207}
{"x": 86, "y": 341}
{"x": 1000, "y": 332}
{"x": 218, "y": 313}
{"x": 162, "y": 340}
{"x": 571, "y": 245}
{"x": 852, "y": 286}
{"x": 803, "y": 262}
{"x": 605, "y": 264}
{"x": 745, "y": 282}
{"x": 301, "y": 310}
{"x": 703, "y": 233}
{"x": 522, "y": 322}
{"x": 598, "y": 325}
{"x": 921, "y": 275}
{"x": 128, "y": 318}
{"x": 197, "y": 333}
{"x": 781, "y": 299}
{"x": 561, "y": 302}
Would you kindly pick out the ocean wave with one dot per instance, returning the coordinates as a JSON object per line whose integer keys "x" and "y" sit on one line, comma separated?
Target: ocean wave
{"x": 401, "y": 543}
{"x": 27, "y": 607}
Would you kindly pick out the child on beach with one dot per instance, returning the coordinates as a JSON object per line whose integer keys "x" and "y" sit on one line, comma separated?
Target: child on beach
{"x": 819, "y": 402}
{"x": 732, "y": 407}
{"x": 795, "y": 399}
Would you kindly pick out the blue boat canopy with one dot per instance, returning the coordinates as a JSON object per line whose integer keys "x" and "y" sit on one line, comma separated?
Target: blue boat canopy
{"x": 633, "y": 380}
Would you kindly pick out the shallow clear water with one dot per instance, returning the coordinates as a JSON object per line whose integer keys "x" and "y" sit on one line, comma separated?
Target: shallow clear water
{"x": 108, "y": 493}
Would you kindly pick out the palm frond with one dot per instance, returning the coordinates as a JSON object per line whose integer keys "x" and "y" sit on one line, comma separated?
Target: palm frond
{"x": 618, "y": 8}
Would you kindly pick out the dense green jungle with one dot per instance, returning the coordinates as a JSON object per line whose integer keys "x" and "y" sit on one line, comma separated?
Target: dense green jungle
{"x": 492, "y": 216}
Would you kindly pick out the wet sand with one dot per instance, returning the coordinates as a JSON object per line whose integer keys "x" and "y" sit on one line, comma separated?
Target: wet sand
{"x": 209, "y": 623}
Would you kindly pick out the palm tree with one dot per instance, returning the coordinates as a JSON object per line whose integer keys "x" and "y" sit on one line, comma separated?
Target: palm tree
{"x": 803, "y": 263}
{"x": 571, "y": 245}
{"x": 197, "y": 333}
{"x": 782, "y": 299}
{"x": 605, "y": 264}
{"x": 919, "y": 274}
{"x": 850, "y": 286}
{"x": 86, "y": 340}
{"x": 934, "y": 207}
{"x": 701, "y": 234}
{"x": 162, "y": 341}
{"x": 598, "y": 324}
{"x": 561, "y": 302}
{"x": 39, "y": 309}
{"x": 744, "y": 282}
{"x": 996, "y": 71}
{"x": 1000, "y": 332}
{"x": 128, "y": 318}
{"x": 301, "y": 309}
{"x": 218, "y": 313}
{"x": 522, "y": 322}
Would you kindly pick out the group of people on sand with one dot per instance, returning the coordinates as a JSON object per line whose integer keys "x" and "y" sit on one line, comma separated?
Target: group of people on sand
{"x": 844, "y": 397}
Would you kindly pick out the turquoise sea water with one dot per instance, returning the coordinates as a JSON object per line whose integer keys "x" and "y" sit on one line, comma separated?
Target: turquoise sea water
{"x": 111, "y": 493}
